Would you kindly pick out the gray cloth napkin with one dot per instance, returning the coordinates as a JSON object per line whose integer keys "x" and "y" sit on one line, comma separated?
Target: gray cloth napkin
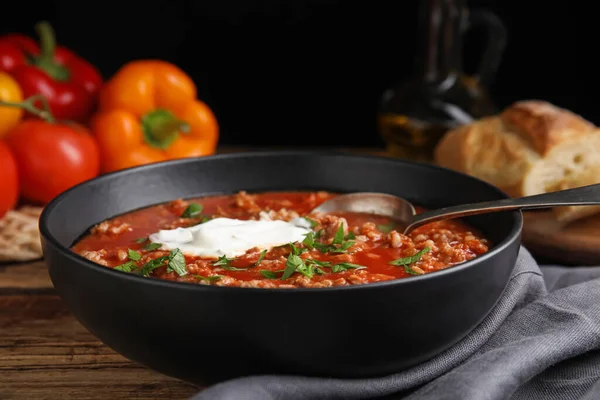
{"x": 541, "y": 341}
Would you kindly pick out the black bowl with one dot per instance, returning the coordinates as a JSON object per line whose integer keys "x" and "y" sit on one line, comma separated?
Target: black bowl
{"x": 206, "y": 334}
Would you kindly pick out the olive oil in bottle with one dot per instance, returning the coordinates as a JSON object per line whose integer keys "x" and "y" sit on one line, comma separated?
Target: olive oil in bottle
{"x": 415, "y": 114}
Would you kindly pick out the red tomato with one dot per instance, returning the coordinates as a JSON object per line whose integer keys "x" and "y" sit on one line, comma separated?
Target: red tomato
{"x": 52, "y": 157}
{"x": 9, "y": 182}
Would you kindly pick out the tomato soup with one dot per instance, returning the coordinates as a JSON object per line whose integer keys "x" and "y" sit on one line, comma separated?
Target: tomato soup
{"x": 272, "y": 240}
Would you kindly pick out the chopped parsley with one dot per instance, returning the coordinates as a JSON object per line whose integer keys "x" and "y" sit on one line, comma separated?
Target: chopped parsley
{"x": 387, "y": 228}
{"x": 131, "y": 264}
{"x": 309, "y": 240}
{"x": 340, "y": 243}
{"x": 339, "y": 235}
{"x": 225, "y": 263}
{"x": 152, "y": 246}
{"x": 312, "y": 222}
{"x": 297, "y": 250}
{"x": 127, "y": 267}
{"x": 192, "y": 211}
{"x": 141, "y": 240}
{"x": 341, "y": 267}
{"x": 133, "y": 255}
{"x": 406, "y": 261}
{"x": 308, "y": 267}
{"x": 269, "y": 274}
{"x": 318, "y": 262}
{"x": 152, "y": 265}
{"x": 292, "y": 263}
{"x": 176, "y": 262}
{"x": 203, "y": 220}
{"x": 260, "y": 258}
{"x": 223, "y": 260}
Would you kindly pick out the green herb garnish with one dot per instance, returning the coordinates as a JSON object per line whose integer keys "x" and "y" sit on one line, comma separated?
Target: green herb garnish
{"x": 268, "y": 274}
{"x": 406, "y": 261}
{"x": 318, "y": 262}
{"x": 341, "y": 267}
{"x": 127, "y": 267}
{"x": 297, "y": 250}
{"x": 223, "y": 260}
{"x": 230, "y": 268}
{"x": 343, "y": 247}
{"x": 152, "y": 246}
{"x": 312, "y": 222}
{"x": 309, "y": 240}
{"x": 131, "y": 264}
{"x": 350, "y": 236}
{"x": 133, "y": 255}
{"x": 293, "y": 261}
{"x": 225, "y": 263}
{"x": 306, "y": 269}
{"x": 141, "y": 240}
{"x": 409, "y": 260}
{"x": 212, "y": 278}
{"x": 387, "y": 228}
{"x": 192, "y": 211}
{"x": 339, "y": 235}
{"x": 203, "y": 220}
{"x": 176, "y": 262}
{"x": 152, "y": 265}
{"x": 340, "y": 244}
{"x": 260, "y": 258}
{"x": 409, "y": 270}
{"x": 323, "y": 248}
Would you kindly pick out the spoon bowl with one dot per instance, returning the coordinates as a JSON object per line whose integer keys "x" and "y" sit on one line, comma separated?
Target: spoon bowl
{"x": 403, "y": 213}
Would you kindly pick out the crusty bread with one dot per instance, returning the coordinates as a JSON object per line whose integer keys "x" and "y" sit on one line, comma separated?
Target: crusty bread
{"x": 564, "y": 215}
{"x": 529, "y": 148}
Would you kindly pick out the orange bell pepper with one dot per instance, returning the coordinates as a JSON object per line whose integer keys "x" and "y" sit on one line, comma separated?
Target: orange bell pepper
{"x": 148, "y": 112}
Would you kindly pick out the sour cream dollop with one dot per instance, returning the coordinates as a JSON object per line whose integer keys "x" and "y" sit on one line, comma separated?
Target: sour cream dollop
{"x": 231, "y": 237}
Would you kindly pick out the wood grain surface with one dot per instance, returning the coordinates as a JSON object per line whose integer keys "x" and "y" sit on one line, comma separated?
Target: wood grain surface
{"x": 575, "y": 244}
{"x": 46, "y": 354}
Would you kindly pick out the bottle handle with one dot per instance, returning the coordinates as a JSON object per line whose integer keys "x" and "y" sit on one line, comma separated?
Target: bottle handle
{"x": 496, "y": 42}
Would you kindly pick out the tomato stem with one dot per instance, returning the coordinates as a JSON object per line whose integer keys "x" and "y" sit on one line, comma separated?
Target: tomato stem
{"x": 45, "y": 60}
{"x": 30, "y": 106}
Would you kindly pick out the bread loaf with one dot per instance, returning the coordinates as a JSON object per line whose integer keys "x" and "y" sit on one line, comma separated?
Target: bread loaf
{"x": 529, "y": 148}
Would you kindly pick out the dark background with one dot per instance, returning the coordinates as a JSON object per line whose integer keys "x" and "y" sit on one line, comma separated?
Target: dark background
{"x": 308, "y": 72}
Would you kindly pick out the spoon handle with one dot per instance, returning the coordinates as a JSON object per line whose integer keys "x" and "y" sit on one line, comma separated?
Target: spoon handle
{"x": 584, "y": 195}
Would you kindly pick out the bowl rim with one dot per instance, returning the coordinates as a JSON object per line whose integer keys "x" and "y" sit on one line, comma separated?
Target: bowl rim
{"x": 513, "y": 235}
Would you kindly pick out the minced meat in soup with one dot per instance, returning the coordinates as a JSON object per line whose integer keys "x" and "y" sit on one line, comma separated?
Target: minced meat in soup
{"x": 207, "y": 241}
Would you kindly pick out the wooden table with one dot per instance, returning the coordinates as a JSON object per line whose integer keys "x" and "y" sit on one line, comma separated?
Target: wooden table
{"x": 46, "y": 354}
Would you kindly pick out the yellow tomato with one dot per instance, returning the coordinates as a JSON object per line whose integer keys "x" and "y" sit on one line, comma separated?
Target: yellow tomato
{"x": 9, "y": 92}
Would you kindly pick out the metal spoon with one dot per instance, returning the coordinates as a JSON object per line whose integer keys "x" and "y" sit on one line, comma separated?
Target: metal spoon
{"x": 403, "y": 212}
